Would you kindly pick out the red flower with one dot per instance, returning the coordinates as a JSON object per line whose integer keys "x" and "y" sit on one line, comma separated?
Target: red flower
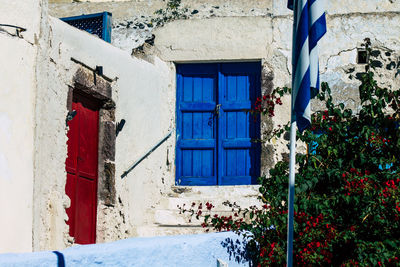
{"x": 330, "y": 128}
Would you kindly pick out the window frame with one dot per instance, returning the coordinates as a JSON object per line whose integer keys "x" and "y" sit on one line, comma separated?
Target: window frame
{"x": 253, "y": 71}
{"x": 106, "y": 23}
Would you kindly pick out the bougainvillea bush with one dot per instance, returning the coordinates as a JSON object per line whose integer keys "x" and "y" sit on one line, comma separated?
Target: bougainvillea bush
{"x": 347, "y": 202}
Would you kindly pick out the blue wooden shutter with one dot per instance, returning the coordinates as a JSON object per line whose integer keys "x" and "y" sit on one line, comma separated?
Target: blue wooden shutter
{"x": 217, "y": 149}
{"x": 196, "y": 130}
{"x": 239, "y": 155}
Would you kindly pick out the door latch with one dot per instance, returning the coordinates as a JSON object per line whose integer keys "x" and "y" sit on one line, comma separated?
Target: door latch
{"x": 71, "y": 114}
{"x": 217, "y": 109}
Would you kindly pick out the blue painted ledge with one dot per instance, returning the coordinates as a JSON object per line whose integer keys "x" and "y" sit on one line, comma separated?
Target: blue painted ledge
{"x": 184, "y": 250}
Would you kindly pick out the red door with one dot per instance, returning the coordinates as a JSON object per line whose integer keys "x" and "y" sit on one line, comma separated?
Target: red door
{"x": 81, "y": 167}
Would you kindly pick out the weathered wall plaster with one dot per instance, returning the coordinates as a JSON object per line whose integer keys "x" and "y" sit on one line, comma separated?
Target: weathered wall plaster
{"x": 17, "y": 98}
{"x": 190, "y": 40}
{"x": 134, "y": 82}
{"x": 190, "y": 250}
{"x": 235, "y": 31}
{"x": 144, "y": 93}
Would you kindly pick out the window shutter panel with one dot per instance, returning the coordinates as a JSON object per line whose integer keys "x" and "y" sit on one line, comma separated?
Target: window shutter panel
{"x": 216, "y": 148}
{"x": 239, "y": 155}
{"x": 196, "y": 129}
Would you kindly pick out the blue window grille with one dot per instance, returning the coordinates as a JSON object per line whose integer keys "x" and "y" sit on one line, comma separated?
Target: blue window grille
{"x": 98, "y": 24}
{"x": 215, "y": 132}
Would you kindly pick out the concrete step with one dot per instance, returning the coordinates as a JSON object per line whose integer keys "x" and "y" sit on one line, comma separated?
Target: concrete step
{"x": 187, "y": 203}
{"x": 244, "y": 196}
{"x": 147, "y": 231}
{"x": 169, "y": 218}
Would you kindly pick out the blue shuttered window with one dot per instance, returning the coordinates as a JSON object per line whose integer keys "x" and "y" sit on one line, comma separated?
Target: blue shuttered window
{"x": 214, "y": 130}
{"x": 98, "y": 24}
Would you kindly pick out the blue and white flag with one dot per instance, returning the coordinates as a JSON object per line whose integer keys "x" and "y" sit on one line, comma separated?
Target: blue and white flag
{"x": 308, "y": 28}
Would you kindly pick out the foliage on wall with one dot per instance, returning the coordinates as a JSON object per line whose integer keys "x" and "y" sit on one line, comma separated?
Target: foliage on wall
{"x": 173, "y": 11}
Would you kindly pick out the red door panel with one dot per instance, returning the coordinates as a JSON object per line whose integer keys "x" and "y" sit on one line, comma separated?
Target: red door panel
{"x": 88, "y": 141}
{"x": 72, "y": 143}
{"x": 70, "y": 190}
{"x": 85, "y": 214}
{"x": 81, "y": 167}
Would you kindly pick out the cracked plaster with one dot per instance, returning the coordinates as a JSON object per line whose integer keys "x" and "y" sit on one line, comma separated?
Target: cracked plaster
{"x": 239, "y": 31}
{"x": 147, "y": 197}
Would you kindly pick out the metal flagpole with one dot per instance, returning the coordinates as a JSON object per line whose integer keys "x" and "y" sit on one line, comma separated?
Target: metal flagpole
{"x": 292, "y": 164}
{"x": 309, "y": 26}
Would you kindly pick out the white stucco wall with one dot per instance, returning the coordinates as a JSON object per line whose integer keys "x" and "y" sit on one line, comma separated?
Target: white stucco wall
{"x": 218, "y": 31}
{"x": 213, "y": 39}
{"x": 144, "y": 93}
{"x": 237, "y": 30}
{"x": 191, "y": 250}
{"x": 17, "y": 95}
{"x": 33, "y": 132}
{"x": 140, "y": 91}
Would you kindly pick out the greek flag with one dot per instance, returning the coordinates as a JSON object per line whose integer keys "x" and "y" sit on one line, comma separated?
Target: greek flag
{"x": 308, "y": 28}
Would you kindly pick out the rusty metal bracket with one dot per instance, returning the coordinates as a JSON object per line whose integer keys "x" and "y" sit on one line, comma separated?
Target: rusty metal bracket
{"x": 146, "y": 154}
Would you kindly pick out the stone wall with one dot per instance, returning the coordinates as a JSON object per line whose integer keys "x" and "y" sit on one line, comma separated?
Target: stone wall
{"x": 68, "y": 60}
{"x": 215, "y": 31}
{"x": 139, "y": 67}
{"x": 45, "y": 63}
{"x": 245, "y": 30}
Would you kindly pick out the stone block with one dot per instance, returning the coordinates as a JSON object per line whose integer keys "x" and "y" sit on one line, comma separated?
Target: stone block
{"x": 106, "y": 189}
{"x": 107, "y": 142}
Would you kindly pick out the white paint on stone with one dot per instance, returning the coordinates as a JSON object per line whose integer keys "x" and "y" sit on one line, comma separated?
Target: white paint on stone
{"x": 33, "y": 103}
{"x": 140, "y": 90}
{"x": 17, "y": 97}
{"x": 214, "y": 39}
{"x": 191, "y": 250}
{"x": 5, "y": 126}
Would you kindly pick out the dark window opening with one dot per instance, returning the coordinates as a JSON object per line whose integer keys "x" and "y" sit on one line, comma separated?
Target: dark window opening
{"x": 362, "y": 56}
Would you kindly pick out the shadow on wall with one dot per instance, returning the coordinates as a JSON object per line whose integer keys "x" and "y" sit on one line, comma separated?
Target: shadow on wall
{"x": 240, "y": 251}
